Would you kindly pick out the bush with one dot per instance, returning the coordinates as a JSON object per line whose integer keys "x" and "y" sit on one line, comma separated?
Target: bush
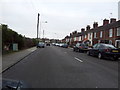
{"x": 9, "y": 37}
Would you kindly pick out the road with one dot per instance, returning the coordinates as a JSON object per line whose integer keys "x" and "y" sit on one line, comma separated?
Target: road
{"x": 56, "y": 67}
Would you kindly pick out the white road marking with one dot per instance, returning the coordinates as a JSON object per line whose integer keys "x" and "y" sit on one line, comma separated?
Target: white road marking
{"x": 78, "y": 59}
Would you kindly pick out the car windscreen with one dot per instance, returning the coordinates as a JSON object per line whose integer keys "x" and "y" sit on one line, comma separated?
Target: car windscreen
{"x": 41, "y": 43}
{"x": 110, "y": 46}
{"x": 83, "y": 45}
{"x": 65, "y": 44}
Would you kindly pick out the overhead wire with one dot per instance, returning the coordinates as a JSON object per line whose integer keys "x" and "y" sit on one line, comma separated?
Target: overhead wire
{"x": 34, "y": 7}
{"x": 30, "y": 2}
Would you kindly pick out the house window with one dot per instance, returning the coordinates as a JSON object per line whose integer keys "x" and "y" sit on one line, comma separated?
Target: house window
{"x": 101, "y": 34}
{"x": 90, "y": 36}
{"x": 110, "y": 33}
{"x": 118, "y": 31}
{"x": 74, "y": 38}
{"x": 67, "y": 40}
{"x": 82, "y": 37}
{"x": 79, "y": 38}
{"x": 95, "y": 35}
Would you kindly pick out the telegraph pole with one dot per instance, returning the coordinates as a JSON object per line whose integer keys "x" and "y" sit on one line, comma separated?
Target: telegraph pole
{"x": 38, "y": 25}
{"x": 43, "y": 34}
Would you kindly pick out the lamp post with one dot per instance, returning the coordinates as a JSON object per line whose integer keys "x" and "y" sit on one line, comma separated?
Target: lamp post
{"x": 41, "y": 27}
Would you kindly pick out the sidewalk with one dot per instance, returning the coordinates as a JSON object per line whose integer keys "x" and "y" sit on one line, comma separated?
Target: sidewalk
{"x": 10, "y": 59}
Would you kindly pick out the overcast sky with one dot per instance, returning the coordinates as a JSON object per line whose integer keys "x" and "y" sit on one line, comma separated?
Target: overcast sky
{"x": 63, "y": 16}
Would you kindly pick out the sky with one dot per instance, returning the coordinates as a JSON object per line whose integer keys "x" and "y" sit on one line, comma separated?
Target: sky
{"x": 62, "y": 16}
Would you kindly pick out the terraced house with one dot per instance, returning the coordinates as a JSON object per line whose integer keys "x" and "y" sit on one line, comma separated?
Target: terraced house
{"x": 108, "y": 33}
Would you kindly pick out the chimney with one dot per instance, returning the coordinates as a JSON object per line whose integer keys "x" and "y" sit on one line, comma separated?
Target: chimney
{"x": 95, "y": 24}
{"x": 112, "y": 20}
{"x": 72, "y": 33}
{"x": 75, "y": 32}
{"x": 88, "y": 27}
{"x": 105, "y": 21}
{"x": 82, "y": 30}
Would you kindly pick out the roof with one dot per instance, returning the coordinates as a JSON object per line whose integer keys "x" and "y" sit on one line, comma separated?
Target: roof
{"x": 105, "y": 27}
{"x": 100, "y": 28}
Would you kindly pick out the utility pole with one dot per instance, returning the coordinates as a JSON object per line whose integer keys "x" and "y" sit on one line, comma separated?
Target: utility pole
{"x": 43, "y": 34}
{"x": 38, "y": 25}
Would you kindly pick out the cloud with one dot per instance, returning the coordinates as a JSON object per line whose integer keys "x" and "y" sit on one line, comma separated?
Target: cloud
{"x": 74, "y": 1}
{"x": 63, "y": 16}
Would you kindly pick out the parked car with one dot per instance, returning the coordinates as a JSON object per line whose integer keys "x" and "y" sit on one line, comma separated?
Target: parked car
{"x": 56, "y": 44}
{"x": 104, "y": 50}
{"x": 9, "y": 84}
{"x": 65, "y": 45}
{"x": 80, "y": 47}
{"x": 47, "y": 44}
{"x": 41, "y": 45}
{"x": 60, "y": 44}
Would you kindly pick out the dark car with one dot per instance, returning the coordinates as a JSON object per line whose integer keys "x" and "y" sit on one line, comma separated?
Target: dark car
{"x": 104, "y": 50}
{"x": 80, "y": 47}
{"x": 47, "y": 44}
{"x": 8, "y": 84}
{"x": 41, "y": 45}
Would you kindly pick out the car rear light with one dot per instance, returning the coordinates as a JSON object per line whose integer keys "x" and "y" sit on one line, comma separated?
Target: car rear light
{"x": 80, "y": 47}
{"x": 107, "y": 50}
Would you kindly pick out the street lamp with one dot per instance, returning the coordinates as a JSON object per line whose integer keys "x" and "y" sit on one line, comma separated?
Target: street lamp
{"x": 41, "y": 26}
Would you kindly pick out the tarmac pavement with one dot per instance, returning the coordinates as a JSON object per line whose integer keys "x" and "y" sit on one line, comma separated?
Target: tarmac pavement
{"x": 10, "y": 59}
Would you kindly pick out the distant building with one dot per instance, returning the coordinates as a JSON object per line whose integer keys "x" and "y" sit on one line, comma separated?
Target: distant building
{"x": 67, "y": 39}
{"x": 55, "y": 41}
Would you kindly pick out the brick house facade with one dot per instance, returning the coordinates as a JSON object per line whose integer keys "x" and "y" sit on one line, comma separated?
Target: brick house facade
{"x": 108, "y": 33}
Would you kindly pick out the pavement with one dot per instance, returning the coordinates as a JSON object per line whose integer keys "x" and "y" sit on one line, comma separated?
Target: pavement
{"x": 9, "y": 60}
{"x": 56, "y": 67}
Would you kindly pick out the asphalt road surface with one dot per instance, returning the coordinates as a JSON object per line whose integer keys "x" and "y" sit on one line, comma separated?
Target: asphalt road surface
{"x": 56, "y": 67}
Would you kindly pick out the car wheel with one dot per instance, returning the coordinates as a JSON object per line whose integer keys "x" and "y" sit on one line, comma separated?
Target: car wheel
{"x": 82, "y": 51}
{"x": 73, "y": 49}
{"x": 79, "y": 50}
{"x": 99, "y": 55}
{"x": 115, "y": 58}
